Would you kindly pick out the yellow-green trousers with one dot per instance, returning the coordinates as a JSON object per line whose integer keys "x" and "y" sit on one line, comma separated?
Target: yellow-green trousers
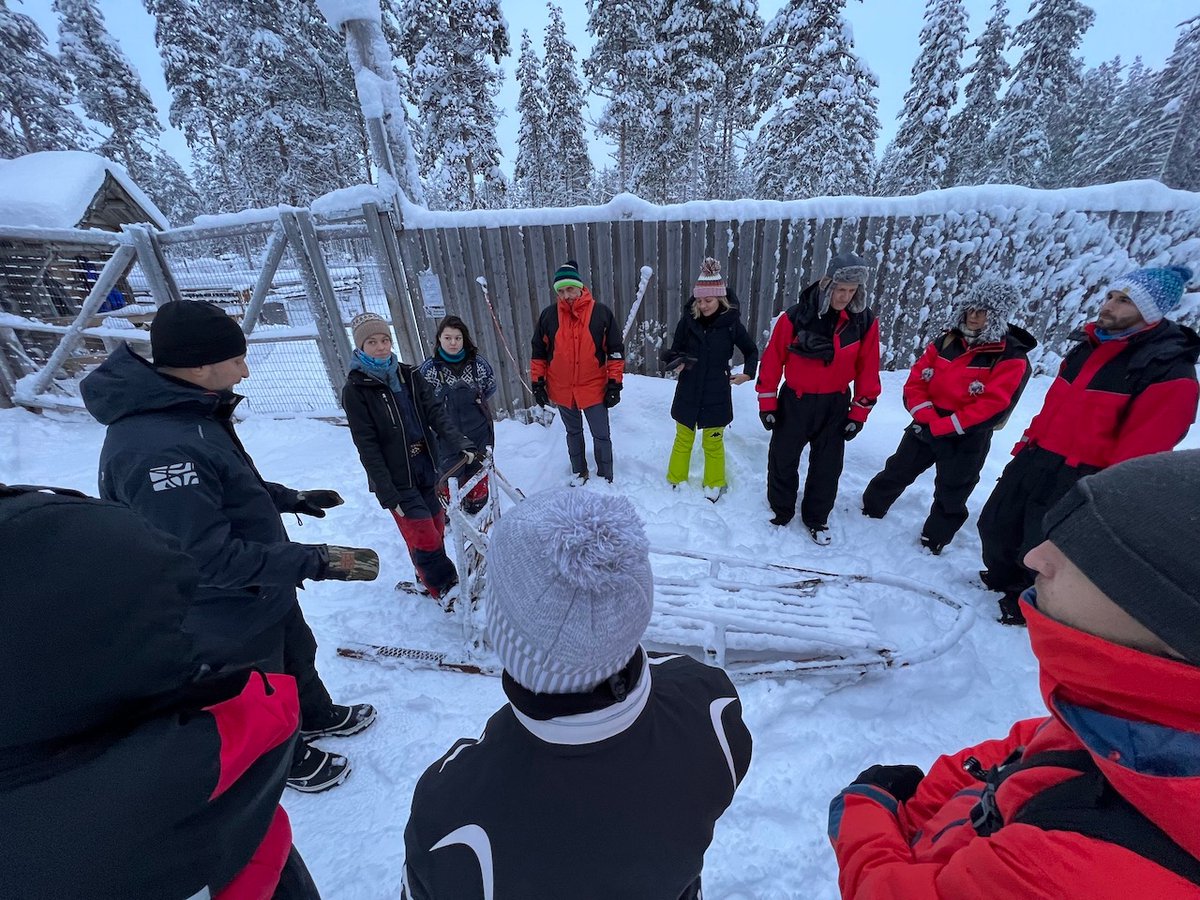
{"x": 712, "y": 440}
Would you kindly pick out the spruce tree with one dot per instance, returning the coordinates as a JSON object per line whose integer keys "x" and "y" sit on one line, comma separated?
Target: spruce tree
{"x": 819, "y": 138}
{"x": 568, "y": 166}
{"x": 1169, "y": 144}
{"x": 172, "y": 190}
{"x": 1019, "y": 146}
{"x": 1080, "y": 138}
{"x": 969, "y": 128}
{"x": 35, "y": 92}
{"x": 919, "y": 155}
{"x": 617, "y": 70}
{"x": 530, "y": 175}
{"x": 109, "y": 89}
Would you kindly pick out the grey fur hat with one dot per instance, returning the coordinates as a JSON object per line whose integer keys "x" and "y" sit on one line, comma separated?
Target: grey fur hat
{"x": 569, "y": 589}
{"x": 846, "y": 268}
{"x": 990, "y": 293}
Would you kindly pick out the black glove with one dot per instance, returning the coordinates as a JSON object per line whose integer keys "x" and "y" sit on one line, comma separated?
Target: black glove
{"x": 851, "y": 429}
{"x": 314, "y": 503}
{"x": 541, "y": 395}
{"x": 899, "y": 781}
{"x": 612, "y": 394}
{"x": 919, "y": 431}
{"x": 768, "y": 420}
{"x": 347, "y": 563}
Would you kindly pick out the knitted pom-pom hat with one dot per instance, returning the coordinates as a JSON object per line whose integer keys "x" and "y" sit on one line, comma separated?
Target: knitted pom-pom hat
{"x": 567, "y": 276}
{"x": 1155, "y": 292}
{"x": 710, "y": 283}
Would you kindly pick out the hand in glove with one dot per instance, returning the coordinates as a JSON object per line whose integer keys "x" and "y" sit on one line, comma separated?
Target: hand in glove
{"x": 314, "y": 503}
{"x": 851, "y": 429}
{"x": 541, "y": 396}
{"x": 768, "y": 420}
{"x": 920, "y": 432}
{"x": 899, "y": 781}
{"x": 469, "y": 456}
{"x": 612, "y": 394}
{"x": 348, "y": 563}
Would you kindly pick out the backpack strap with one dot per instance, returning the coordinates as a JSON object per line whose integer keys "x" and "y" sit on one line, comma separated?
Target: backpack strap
{"x": 1085, "y": 804}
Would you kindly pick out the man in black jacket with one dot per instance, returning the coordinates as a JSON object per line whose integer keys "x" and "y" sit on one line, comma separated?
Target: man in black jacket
{"x": 172, "y": 455}
{"x": 606, "y": 772}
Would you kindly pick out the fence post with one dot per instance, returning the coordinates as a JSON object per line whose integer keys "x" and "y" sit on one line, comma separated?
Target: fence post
{"x": 272, "y": 254}
{"x": 329, "y": 323}
{"x": 154, "y": 265}
{"x": 387, "y": 254}
{"x": 105, "y": 281}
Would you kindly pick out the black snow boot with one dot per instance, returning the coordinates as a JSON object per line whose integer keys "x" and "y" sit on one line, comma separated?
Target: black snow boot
{"x": 820, "y": 534}
{"x": 1010, "y": 610}
{"x": 317, "y": 771}
{"x": 343, "y": 721}
{"x": 932, "y": 546}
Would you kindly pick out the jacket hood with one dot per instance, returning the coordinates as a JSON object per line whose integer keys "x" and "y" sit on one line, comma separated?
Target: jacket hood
{"x": 87, "y": 646}
{"x": 1020, "y": 339}
{"x": 1136, "y": 713}
{"x": 577, "y": 307}
{"x": 125, "y": 384}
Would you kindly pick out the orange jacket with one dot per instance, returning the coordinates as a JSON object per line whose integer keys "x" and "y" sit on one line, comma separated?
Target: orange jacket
{"x": 578, "y": 349}
{"x": 1141, "y": 728}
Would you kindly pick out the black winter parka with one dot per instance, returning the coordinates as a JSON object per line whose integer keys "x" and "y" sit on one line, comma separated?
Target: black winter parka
{"x": 703, "y": 397}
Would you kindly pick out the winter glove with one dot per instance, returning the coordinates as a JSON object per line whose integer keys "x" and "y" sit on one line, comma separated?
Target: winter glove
{"x": 541, "y": 396}
{"x": 768, "y": 420}
{"x": 612, "y": 394}
{"x": 470, "y": 456}
{"x": 851, "y": 430}
{"x": 314, "y": 503}
{"x": 920, "y": 432}
{"x": 348, "y": 563}
{"x": 899, "y": 781}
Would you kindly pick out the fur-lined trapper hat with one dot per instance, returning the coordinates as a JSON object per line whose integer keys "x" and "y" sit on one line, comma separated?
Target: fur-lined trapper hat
{"x": 846, "y": 268}
{"x": 996, "y": 296}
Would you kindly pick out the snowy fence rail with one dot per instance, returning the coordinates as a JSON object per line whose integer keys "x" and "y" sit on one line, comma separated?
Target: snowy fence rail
{"x": 295, "y": 278}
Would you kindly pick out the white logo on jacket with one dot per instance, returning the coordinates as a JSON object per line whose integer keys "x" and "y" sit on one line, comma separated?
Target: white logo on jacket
{"x": 163, "y": 478}
{"x": 475, "y": 838}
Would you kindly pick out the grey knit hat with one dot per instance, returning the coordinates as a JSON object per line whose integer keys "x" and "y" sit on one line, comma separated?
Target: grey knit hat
{"x": 846, "y": 268}
{"x": 366, "y": 324}
{"x": 569, "y": 589}
{"x": 1132, "y": 529}
{"x": 995, "y": 295}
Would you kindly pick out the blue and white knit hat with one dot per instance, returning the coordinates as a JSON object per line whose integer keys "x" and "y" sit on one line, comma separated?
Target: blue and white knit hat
{"x": 569, "y": 589}
{"x": 1155, "y": 292}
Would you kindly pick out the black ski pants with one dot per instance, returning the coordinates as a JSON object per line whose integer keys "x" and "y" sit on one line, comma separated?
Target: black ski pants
{"x": 295, "y": 882}
{"x": 958, "y": 460}
{"x": 816, "y": 421}
{"x": 1011, "y": 522}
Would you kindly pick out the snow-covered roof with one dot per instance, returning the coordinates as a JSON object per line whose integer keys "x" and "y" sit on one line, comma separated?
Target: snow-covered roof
{"x": 55, "y": 188}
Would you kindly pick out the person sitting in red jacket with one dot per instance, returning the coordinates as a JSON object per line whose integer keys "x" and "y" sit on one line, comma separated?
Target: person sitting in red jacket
{"x": 1126, "y": 389}
{"x": 129, "y": 767}
{"x": 960, "y": 390}
{"x": 1099, "y": 799}
{"x": 578, "y": 363}
{"x": 822, "y": 343}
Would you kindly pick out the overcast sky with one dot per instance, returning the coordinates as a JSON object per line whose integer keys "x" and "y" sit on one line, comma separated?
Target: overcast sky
{"x": 885, "y": 34}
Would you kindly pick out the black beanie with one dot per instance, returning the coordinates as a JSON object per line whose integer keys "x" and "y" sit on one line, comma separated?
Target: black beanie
{"x": 1134, "y": 531}
{"x": 188, "y": 333}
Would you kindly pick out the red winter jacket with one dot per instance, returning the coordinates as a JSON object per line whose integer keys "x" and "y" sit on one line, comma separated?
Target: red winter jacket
{"x": 578, "y": 349}
{"x": 956, "y": 388}
{"x": 1115, "y": 400}
{"x": 1137, "y": 715}
{"x": 855, "y": 339}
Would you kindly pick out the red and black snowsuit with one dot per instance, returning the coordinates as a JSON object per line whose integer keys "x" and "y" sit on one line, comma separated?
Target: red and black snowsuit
{"x": 1112, "y": 401}
{"x": 817, "y": 357}
{"x": 1126, "y": 829}
{"x": 959, "y": 394}
{"x": 128, "y": 768}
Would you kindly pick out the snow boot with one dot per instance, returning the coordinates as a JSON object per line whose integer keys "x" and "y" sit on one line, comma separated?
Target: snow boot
{"x": 318, "y": 771}
{"x": 579, "y": 479}
{"x": 932, "y": 546}
{"x": 820, "y": 534}
{"x": 1010, "y": 610}
{"x": 781, "y": 519}
{"x": 412, "y": 587}
{"x": 343, "y": 721}
{"x": 713, "y": 494}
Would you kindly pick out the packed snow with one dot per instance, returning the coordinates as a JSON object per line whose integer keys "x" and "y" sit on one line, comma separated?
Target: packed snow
{"x": 812, "y": 735}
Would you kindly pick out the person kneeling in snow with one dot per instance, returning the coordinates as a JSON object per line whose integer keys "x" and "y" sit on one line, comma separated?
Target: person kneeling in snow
{"x": 1100, "y": 799}
{"x": 131, "y": 769}
{"x": 604, "y": 775}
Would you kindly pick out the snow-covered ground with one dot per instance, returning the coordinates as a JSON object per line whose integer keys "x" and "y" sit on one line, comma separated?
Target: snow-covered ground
{"x": 810, "y": 737}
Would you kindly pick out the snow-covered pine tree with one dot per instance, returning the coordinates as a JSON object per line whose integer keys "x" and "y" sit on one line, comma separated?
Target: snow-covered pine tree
{"x": 569, "y": 168}
{"x": 1116, "y": 150}
{"x": 453, "y": 49}
{"x": 1019, "y": 145}
{"x": 1169, "y": 144}
{"x": 969, "y": 128}
{"x": 618, "y": 70}
{"x": 35, "y": 92}
{"x": 1080, "y": 138}
{"x": 819, "y": 137}
{"x": 109, "y": 89}
{"x": 736, "y": 30}
{"x": 529, "y": 186}
{"x": 172, "y": 190}
{"x": 919, "y": 155}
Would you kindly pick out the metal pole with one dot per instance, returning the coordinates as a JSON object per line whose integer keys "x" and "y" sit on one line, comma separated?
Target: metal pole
{"x": 150, "y": 258}
{"x": 262, "y": 285}
{"x": 312, "y": 245}
{"x": 388, "y": 256}
{"x": 113, "y": 270}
